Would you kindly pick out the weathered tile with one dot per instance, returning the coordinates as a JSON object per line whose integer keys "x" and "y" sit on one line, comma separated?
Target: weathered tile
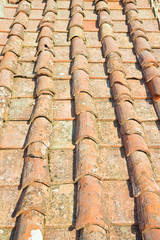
{"x": 63, "y": 14}
{"x": 123, "y": 40}
{"x": 30, "y": 39}
{"x": 113, "y": 164}
{"x": 61, "y": 39}
{"x": 61, "y": 70}
{"x": 63, "y": 110}
{"x": 25, "y": 69}
{"x": 133, "y": 70}
{"x": 28, "y": 54}
{"x": 125, "y": 232}
{"x": 21, "y": 109}
{"x": 155, "y": 160}
{"x": 105, "y": 109}
{"x": 61, "y": 205}
{"x": 153, "y": 39}
{"x": 8, "y": 201}
{"x": 150, "y": 25}
{"x": 139, "y": 89}
{"x": 120, "y": 204}
{"x": 63, "y": 134}
{"x": 23, "y": 87}
{"x": 5, "y": 25}
{"x": 6, "y": 234}
{"x": 101, "y": 88}
{"x": 62, "y": 165}
{"x": 59, "y": 234}
{"x": 13, "y": 134}
{"x": 97, "y": 53}
{"x": 145, "y": 110}
{"x": 90, "y": 15}
{"x": 35, "y": 14}
{"x": 62, "y": 55}
{"x": 151, "y": 131}
{"x": 62, "y": 89}
{"x": 97, "y": 70}
{"x": 92, "y": 39}
{"x": 120, "y": 26}
{"x": 9, "y": 161}
{"x": 3, "y": 37}
{"x": 63, "y": 4}
{"x": 61, "y": 25}
{"x": 109, "y": 133}
{"x": 127, "y": 55}
{"x": 117, "y": 14}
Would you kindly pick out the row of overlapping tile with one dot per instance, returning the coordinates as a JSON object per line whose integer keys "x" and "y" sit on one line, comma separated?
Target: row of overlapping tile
{"x": 91, "y": 229}
{"x": 11, "y": 52}
{"x": 144, "y": 186}
{"x": 36, "y": 178}
{"x": 143, "y": 52}
{"x": 91, "y": 213}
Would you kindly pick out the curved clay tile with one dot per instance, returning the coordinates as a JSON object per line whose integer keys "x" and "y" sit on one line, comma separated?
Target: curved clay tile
{"x": 142, "y": 50}
{"x": 90, "y": 199}
{"x": 8, "y": 65}
{"x": 144, "y": 185}
{"x": 33, "y": 203}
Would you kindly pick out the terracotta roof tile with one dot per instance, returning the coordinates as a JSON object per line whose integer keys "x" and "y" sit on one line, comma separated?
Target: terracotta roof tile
{"x": 77, "y": 20}
{"x": 80, "y": 82}
{"x": 80, "y": 63}
{"x": 14, "y": 44}
{"x": 106, "y": 31}
{"x": 17, "y": 30}
{"x": 30, "y": 223}
{"x": 131, "y": 127}
{"x": 6, "y": 78}
{"x": 51, "y": 6}
{"x": 148, "y": 204}
{"x": 90, "y": 193}
{"x": 151, "y": 234}
{"x": 84, "y": 103}
{"x": 78, "y": 102}
{"x": 38, "y": 134}
{"x": 36, "y": 150}
{"x": 142, "y": 177}
{"x": 102, "y": 6}
{"x": 125, "y": 112}
{"x": 104, "y": 17}
{"x": 35, "y": 170}
{"x": 34, "y": 197}
{"x": 78, "y": 47}
{"x": 45, "y": 85}
{"x": 87, "y": 159}
{"x": 76, "y": 32}
{"x": 79, "y": 3}
{"x": 43, "y": 108}
{"x": 109, "y": 46}
{"x": 86, "y": 127}
{"x": 21, "y": 18}
{"x": 23, "y": 6}
{"x": 9, "y": 62}
{"x": 141, "y": 174}
{"x": 145, "y": 59}
{"x": 134, "y": 142}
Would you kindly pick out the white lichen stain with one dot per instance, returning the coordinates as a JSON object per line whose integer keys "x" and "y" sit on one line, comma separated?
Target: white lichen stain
{"x": 36, "y": 235}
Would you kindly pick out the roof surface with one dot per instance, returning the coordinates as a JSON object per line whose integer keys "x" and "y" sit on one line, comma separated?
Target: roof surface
{"x": 79, "y": 141}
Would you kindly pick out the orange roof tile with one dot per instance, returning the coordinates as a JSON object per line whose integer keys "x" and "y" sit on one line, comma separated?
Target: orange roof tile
{"x": 79, "y": 141}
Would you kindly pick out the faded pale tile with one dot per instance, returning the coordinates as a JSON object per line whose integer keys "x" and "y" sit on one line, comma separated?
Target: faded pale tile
{"x": 61, "y": 211}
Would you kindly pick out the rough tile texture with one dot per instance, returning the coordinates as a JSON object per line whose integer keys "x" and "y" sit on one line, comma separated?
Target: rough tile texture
{"x": 112, "y": 164}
